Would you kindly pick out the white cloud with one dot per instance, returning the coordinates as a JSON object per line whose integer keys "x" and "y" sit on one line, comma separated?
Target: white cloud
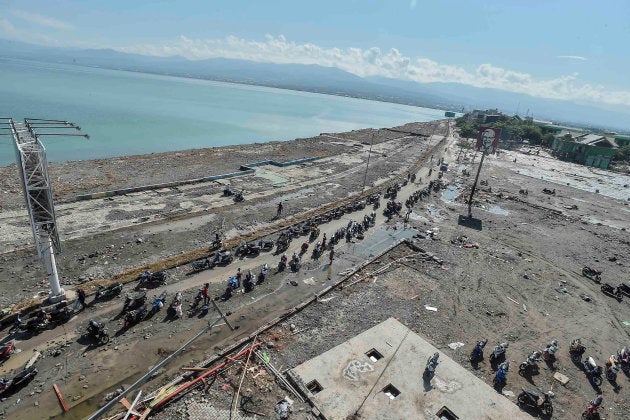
{"x": 391, "y": 63}
{"x": 10, "y": 31}
{"x": 573, "y": 57}
{"x": 41, "y": 20}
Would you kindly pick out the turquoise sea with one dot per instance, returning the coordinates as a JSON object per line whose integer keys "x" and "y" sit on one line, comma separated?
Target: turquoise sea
{"x": 128, "y": 113}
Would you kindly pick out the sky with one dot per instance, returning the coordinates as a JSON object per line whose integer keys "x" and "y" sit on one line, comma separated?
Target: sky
{"x": 573, "y": 50}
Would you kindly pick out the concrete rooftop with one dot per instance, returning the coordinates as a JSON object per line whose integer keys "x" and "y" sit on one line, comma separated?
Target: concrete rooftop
{"x": 347, "y": 375}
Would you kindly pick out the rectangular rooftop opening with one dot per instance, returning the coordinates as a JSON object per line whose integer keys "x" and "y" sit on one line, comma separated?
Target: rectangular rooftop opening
{"x": 391, "y": 392}
{"x": 314, "y": 387}
{"x": 374, "y": 355}
{"x": 446, "y": 414}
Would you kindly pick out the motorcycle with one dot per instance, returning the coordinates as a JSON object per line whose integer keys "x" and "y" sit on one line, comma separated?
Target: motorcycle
{"x": 133, "y": 302}
{"x": 158, "y": 302}
{"x": 612, "y": 368}
{"x": 593, "y": 372}
{"x": 530, "y": 364}
{"x": 432, "y": 363}
{"x": 498, "y": 352}
{"x": 60, "y": 316}
{"x": 247, "y": 248}
{"x": 591, "y": 410}
{"x": 175, "y": 308}
{"x": 6, "y": 351}
{"x": 549, "y": 192}
{"x": 304, "y": 248}
{"x": 148, "y": 277}
{"x": 265, "y": 246}
{"x": 477, "y": 352}
{"x": 134, "y": 316}
{"x": 500, "y": 379}
{"x": 248, "y": 284}
{"x": 262, "y": 276}
{"x": 200, "y": 265}
{"x": 34, "y": 325}
{"x": 624, "y": 359}
{"x": 624, "y": 288}
{"x": 221, "y": 258}
{"x": 314, "y": 234}
{"x": 238, "y": 197}
{"x": 612, "y": 291}
{"x": 216, "y": 244}
{"x": 576, "y": 350}
{"x": 109, "y": 291}
{"x": 18, "y": 381}
{"x": 282, "y": 265}
{"x": 592, "y": 274}
{"x": 317, "y": 250}
{"x": 531, "y": 399}
{"x": 295, "y": 263}
{"x": 98, "y": 332}
{"x": 549, "y": 354}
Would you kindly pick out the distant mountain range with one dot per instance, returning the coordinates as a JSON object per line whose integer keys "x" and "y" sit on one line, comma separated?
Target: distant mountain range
{"x": 328, "y": 80}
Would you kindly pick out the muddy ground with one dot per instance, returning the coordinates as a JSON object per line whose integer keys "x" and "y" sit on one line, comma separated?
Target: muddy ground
{"x": 521, "y": 285}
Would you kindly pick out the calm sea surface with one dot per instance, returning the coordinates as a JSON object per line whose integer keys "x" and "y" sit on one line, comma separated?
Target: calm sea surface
{"x": 135, "y": 113}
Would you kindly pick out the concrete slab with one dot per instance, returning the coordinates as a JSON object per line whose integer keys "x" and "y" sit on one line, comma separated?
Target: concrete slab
{"x": 378, "y": 374}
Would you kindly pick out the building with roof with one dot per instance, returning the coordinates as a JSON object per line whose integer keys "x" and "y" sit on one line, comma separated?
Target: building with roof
{"x": 587, "y": 149}
{"x": 378, "y": 375}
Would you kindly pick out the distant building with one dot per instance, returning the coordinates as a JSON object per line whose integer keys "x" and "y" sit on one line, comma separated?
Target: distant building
{"x": 449, "y": 114}
{"x": 484, "y": 117}
{"x": 622, "y": 139}
{"x": 587, "y": 149}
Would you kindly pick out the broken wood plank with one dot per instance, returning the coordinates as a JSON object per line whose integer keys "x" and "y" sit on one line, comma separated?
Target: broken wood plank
{"x": 61, "y": 400}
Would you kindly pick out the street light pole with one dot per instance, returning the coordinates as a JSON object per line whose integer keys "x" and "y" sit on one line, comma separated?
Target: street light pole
{"x": 368, "y": 162}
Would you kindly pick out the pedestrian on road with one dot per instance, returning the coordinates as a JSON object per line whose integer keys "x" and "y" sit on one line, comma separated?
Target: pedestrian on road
{"x": 204, "y": 293}
{"x": 239, "y": 275}
{"x": 81, "y": 297}
{"x": 279, "y": 209}
{"x": 331, "y": 255}
{"x": 407, "y": 215}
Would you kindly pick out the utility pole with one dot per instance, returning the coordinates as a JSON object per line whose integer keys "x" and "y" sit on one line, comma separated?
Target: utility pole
{"x": 487, "y": 140}
{"x": 33, "y": 166}
{"x": 368, "y": 162}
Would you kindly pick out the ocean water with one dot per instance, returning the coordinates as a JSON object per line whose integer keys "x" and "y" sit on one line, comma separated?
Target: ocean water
{"x": 128, "y": 113}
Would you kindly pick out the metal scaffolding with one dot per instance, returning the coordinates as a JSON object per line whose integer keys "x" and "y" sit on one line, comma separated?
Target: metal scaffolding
{"x": 33, "y": 166}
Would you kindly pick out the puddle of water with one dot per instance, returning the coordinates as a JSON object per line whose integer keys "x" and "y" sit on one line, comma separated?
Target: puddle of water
{"x": 451, "y": 192}
{"x": 381, "y": 239}
{"x": 498, "y": 210}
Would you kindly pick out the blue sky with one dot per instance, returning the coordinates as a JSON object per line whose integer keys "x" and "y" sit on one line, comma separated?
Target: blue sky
{"x": 575, "y": 50}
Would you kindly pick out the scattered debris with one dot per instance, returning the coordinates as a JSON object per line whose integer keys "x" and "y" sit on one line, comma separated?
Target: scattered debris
{"x": 430, "y": 308}
{"x": 513, "y": 300}
{"x": 563, "y": 379}
{"x": 456, "y": 345}
{"x": 61, "y": 399}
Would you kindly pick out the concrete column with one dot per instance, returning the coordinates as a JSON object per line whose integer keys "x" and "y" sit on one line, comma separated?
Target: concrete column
{"x": 56, "y": 292}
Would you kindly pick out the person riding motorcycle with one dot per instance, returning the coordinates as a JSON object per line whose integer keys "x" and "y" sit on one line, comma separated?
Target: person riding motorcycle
{"x": 94, "y": 327}
{"x": 550, "y": 350}
{"x": 304, "y": 247}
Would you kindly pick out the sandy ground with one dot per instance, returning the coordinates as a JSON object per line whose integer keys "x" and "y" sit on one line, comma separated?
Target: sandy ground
{"x": 531, "y": 250}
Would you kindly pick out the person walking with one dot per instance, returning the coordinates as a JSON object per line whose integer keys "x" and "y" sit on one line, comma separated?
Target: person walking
{"x": 279, "y": 212}
{"x": 204, "y": 293}
{"x": 81, "y": 297}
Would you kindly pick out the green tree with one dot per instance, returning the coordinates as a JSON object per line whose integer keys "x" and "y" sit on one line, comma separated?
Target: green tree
{"x": 532, "y": 133}
{"x": 547, "y": 139}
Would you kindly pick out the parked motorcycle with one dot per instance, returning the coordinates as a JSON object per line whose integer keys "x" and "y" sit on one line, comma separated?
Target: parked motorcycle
{"x": 247, "y": 248}
{"x": 593, "y": 372}
{"x": 477, "y": 352}
{"x": 500, "y": 379}
{"x": 295, "y": 263}
{"x": 175, "y": 308}
{"x": 612, "y": 368}
{"x": 33, "y": 325}
{"x": 624, "y": 288}
{"x": 576, "y": 350}
{"x": 530, "y": 364}
{"x": 109, "y": 291}
{"x": 248, "y": 284}
{"x": 592, "y": 274}
{"x": 221, "y": 258}
{"x": 149, "y": 277}
{"x": 591, "y": 410}
{"x": 282, "y": 265}
{"x": 262, "y": 276}
{"x": 60, "y": 316}
{"x": 531, "y": 399}
{"x": 612, "y": 291}
{"x": 499, "y": 352}
{"x": 134, "y": 316}
{"x": 20, "y": 380}
{"x": 549, "y": 192}
{"x": 216, "y": 244}
{"x": 265, "y": 246}
{"x": 200, "y": 265}
{"x": 238, "y": 197}
{"x": 133, "y": 302}
{"x": 6, "y": 351}
{"x": 158, "y": 302}
{"x": 549, "y": 354}
{"x": 624, "y": 359}
{"x": 98, "y": 332}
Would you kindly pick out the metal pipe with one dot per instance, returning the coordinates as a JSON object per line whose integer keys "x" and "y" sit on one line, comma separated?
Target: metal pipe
{"x": 157, "y": 367}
